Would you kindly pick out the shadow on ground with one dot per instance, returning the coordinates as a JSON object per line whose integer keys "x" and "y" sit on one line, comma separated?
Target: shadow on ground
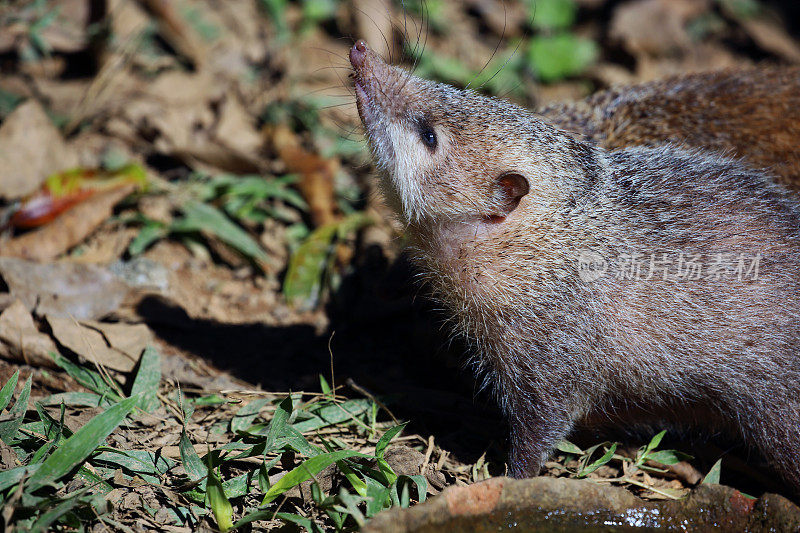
{"x": 384, "y": 336}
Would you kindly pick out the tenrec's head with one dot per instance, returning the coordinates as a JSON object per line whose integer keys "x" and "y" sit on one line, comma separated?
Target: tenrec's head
{"x": 449, "y": 153}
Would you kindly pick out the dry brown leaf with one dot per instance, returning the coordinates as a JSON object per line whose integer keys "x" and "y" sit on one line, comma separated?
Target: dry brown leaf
{"x": 191, "y": 118}
{"x": 654, "y": 27}
{"x": 63, "y": 289}
{"x": 236, "y": 128}
{"x": 175, "y": 30}
{"x": 130, "y": 339}
{"x": 104, "y": 248}
{"x": 128, "y": 19}
{"x": 316, "y": 174}
{"x": 687, "y": 473}
{"x": 68, "y": 230}
{"x": 90, "y": 344}
{"x": 20, "y": 340}
{"x": 31, "y": 148}
{"x": 771, "y": 36}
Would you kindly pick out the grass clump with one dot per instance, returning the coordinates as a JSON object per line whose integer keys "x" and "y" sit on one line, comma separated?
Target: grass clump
{"x": 233, "y": 464}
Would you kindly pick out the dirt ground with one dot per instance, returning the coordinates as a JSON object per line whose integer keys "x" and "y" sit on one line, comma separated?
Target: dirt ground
{"x": 129, "y": 130}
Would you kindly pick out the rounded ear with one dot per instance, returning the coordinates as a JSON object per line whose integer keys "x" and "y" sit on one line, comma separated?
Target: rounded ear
{"x": 511, "y": 187}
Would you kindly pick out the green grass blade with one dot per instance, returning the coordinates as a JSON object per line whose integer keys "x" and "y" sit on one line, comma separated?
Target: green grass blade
{"x": 82, "y": 443}
{"x": 668, "y": 457}
{"x": 137, "y": 461}
{"x": 16, "y": 414}
{"x": 383, "y": 442}
{"x": 600, "y": 462}
{"x": 8, "y": 390}
{"x": 712, "y": 478}
{"x": 303, "y": 281}
{"x": 150, "y": 233}
{"x": 192, "y": 463}
{"x": 44, "y": 521}
{"x": 351, "y": 506}
{"x": 307, "y": 523}
{"x": 295, "y": 440}
{"x": 12, "y": 476}
{"x": 329, "y": 415}
{"x": 654, "y": 442}
{"x": 238, "y": 486}
{"x": 378, "y": 496}
{"x": 323, "y": 386}
{"x": 88, "y": 378}
{"x": 219, "y": 503}
{"x": 567, "y": 447}
{"x": 147, "y": 379}
{"x": 210, "y": 220}
{"x": 263, "y": 473}
{"x": 245, "y": 416}
{"x": 307, "y": 469}
{"x": 252, "y": 517}
{"x": 304, "y": 276}
{"x": 356, "y": 482}
{"x": 387, "y": 471}
{"x": 422, "y": 486}
{"x": 277, "y": 426}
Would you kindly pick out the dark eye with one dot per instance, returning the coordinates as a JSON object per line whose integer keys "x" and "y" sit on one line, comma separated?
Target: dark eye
{"x": 428, "y": 136}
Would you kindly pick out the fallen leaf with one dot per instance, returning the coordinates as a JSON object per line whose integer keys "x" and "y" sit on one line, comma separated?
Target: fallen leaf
{"x": 191, "y": 119}
{"x": 772, "y": 37}
{"x": 175, "y": 30}
{"x": 236, "y": 128}
{"x": 21, "y": 341}
{"x": 130, "y": 339}
{"x": 316, "y": 174}
{"x": 655, "y": 27}
{"x": 305, "y": 274}
{"x": 90, "y": 344}
{"x": 105, "y": 248}
{"x": 31, "y": 148}
{"x": 63, "y": 289}
{"x": 68, "y": 230}
{"x": 63, "y": 190}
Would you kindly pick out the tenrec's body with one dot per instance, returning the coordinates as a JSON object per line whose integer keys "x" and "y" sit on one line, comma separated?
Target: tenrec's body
{"x": 644, "y": 284}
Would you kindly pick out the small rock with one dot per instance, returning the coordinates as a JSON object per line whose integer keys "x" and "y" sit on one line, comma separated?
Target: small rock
{"x": 69, "y": 290}
{"x": 142, "y": 273}
{"x": 404, "y": 461}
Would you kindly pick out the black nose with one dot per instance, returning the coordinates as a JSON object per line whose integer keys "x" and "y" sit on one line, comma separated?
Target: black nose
{"x": 358, "y": 53}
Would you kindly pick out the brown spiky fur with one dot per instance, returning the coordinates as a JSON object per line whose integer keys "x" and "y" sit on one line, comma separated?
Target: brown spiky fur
{"x": 558, "y": 349}
{"x": 752, "y": 114}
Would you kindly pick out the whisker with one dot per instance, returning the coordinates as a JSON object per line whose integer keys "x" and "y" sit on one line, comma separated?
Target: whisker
{"x": 333, "y": 106}
{"x": 330, "y": 67}
{"x": 331, "y": 52}
{"x": 418, "y": 56}
{"x": 496, "y": 48}
{"x": 525, "y": 35}
{"x": 380, "y": 30}
{"x": 425, "y": 23}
